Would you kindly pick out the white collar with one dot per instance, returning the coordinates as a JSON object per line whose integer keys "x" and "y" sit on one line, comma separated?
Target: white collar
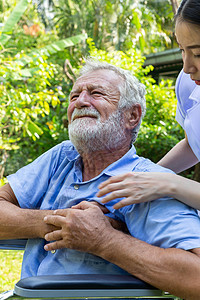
{"x": 195, "y": 95}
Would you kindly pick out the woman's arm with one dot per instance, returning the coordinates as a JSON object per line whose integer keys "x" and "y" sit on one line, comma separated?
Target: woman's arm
{"x": 142, "y": 187}
{"x": 179, "y": 158}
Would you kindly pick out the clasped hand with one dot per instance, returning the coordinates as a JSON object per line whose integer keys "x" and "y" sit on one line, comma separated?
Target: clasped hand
{"x": 83, "y": 227}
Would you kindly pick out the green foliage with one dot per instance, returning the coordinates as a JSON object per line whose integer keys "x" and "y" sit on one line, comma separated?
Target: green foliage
{"x": 160, "y": 34}
{"x": 116, "y": 24}
{"x": 25, "y": 96}
{"x": 159, "y": 131}
{"x": 30, "y": 92}
{"x": 12, "y": 21}
{"x": 34, "y": 88}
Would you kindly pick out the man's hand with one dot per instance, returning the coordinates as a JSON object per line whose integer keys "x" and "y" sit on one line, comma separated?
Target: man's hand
{"x": 83, "y": 227}
{"x": 119, "y": 225}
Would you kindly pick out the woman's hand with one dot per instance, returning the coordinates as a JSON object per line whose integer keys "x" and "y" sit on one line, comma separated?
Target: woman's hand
{"x": 135, "y": 187}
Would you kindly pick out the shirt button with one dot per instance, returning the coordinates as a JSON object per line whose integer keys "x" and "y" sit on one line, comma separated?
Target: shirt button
{"x": 53, "y": 251}
{"x": 76, "y": 186}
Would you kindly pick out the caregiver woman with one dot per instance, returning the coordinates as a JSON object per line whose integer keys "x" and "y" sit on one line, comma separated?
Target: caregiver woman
{"x": 142, "y": 187}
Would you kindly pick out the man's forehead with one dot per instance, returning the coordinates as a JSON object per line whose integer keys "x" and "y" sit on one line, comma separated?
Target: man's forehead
{"x": 89, "y": 85}
{"x": 97, "y": 77}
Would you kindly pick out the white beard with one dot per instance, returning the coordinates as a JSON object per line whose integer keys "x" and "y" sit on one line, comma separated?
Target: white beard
{"x": 89, "y": 135}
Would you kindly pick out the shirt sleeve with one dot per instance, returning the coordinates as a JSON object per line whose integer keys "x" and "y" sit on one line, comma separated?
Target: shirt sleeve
{"x": 30, "y": 183}
{"x": 166, "y": 223}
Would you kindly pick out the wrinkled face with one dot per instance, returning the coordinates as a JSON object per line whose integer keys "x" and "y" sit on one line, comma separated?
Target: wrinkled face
{"x": 94, "y": 120}
{"x": 97, "y": 90}
{"x": 188, "y": 38}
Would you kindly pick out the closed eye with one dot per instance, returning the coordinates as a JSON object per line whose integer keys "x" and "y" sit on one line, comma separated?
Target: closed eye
{"x": 74, "y": 97}
{"x": 97, "y": 93}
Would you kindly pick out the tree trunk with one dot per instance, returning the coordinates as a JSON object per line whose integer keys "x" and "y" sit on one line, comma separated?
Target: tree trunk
{"x": 174, "y": 5}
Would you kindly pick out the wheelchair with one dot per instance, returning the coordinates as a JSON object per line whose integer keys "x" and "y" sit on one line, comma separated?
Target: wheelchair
{"x": 80, "y": 286}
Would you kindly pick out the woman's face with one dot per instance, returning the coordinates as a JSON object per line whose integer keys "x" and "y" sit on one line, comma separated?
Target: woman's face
{"x": 188, "y": 38}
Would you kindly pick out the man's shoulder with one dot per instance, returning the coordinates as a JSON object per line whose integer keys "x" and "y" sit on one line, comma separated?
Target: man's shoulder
{"x": 135, "y": 163}
{"x": 146, "y": 165}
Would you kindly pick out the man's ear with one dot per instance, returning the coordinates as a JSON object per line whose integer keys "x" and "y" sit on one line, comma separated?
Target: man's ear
{"x": 133, "y": 116}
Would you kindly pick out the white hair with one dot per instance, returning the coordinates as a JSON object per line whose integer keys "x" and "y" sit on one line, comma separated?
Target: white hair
{"x": 131, "y": 90}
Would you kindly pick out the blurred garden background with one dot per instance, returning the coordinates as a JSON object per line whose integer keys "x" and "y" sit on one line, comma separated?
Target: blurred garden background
{"x": 43, "y": 44}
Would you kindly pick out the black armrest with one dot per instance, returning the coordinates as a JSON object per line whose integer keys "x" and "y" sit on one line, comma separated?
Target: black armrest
{"x": 83, "y": 286}
{"x": 13, "y": 244}
{"x": 83, "y": 281}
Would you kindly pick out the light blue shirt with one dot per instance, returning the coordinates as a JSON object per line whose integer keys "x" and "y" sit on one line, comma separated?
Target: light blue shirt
{"x": 54, "y": 180}
{"x": 188, "y": 110}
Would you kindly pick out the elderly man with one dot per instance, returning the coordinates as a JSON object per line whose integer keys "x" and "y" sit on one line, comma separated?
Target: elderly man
{"x": 51, "y": 200}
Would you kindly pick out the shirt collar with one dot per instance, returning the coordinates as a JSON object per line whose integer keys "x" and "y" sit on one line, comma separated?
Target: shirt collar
{"x": 195, "y": 95}
{"x": 71, "y": 153}
{"x": 126, "y": 163}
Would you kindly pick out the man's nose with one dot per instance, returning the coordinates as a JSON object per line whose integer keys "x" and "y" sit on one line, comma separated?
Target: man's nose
{"x": 83, "y": 100}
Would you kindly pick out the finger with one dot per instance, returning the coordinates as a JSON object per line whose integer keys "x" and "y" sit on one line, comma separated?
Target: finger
{"x": 102, "y": 207}
{"x": 115, "y": 195}
{"x": 54, "y": 220}
{"x": 125, "y": 202}
{"x": 55, "y": 235}
{"x": 113, "y": 179}
{"x": 110, "y": 188}
{"x": 83, "y": 205}
{"x": 54, "y": 245}
{"x": 62, "y": 212}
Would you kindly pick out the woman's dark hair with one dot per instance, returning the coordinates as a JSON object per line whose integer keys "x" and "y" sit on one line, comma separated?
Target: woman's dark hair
{"x": 189, "y": 11}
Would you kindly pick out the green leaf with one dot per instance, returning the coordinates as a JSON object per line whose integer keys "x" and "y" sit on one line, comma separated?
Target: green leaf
{"x": 12, "y": 21}
{"x": 53, "y": 48}
{"x": 34, "y": 129}
{"x": 4, "y": 38}
{"x": 142, "y": 43}
{"x": 136, "y": 20}
{"x": 15, "y": 16}
{"x": 25, "y": 72}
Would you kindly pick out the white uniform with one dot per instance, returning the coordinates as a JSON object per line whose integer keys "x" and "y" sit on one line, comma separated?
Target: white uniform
{"x": 188, "y": 110}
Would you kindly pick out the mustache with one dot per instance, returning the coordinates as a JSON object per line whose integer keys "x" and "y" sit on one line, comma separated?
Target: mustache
{"x": 84, "y": 112}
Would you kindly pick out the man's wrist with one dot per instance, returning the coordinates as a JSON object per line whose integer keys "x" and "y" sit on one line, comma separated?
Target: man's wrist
{"x": 46, "y": 228}
{"x": 36, "y": 227}
{"x": 107, "y": 243}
